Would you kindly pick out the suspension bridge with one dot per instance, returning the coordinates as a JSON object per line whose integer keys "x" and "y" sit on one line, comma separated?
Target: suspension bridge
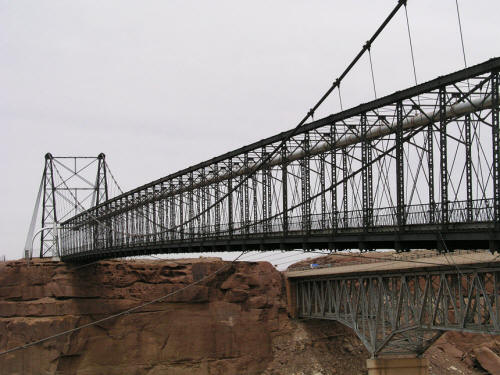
{"x": 416, "y": 169}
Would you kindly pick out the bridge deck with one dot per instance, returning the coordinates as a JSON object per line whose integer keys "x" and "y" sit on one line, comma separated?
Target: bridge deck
{"x": 376, "y": 266}
{"x": 456, "y": 236}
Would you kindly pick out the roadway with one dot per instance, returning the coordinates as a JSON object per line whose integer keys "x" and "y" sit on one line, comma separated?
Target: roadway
{"x": 425, "y": 261}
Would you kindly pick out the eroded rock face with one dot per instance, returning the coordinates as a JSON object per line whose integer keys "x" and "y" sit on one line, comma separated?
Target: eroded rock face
{"x": 222, "y": 325}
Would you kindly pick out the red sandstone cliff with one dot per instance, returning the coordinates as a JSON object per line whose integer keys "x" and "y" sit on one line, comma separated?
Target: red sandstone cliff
{"x": 232, "y": 323}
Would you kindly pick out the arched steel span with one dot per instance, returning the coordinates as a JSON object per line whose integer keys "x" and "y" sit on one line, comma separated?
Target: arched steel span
{"x": 403, "y": 311}
{"x": 415, "y": 169}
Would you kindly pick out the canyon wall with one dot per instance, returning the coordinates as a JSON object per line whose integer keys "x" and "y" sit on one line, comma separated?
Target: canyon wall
{"x": 232, "y": 321}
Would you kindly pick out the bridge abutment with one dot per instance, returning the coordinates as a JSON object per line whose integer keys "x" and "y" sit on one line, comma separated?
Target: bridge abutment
{"x": 397, "y": 366}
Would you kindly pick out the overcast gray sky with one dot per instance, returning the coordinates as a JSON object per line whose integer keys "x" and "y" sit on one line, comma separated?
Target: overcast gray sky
{"x": 160, "y": 85}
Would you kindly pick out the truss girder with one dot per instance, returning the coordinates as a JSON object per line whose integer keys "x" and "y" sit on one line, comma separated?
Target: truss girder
{"x": 404, "y": 313}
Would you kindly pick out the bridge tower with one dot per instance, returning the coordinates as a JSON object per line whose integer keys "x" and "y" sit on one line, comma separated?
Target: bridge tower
{"x": 69, "y": 185}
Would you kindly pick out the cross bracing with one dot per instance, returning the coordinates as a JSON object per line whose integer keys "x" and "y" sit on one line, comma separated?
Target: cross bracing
{"x": 418, "y": 168}
{"x": 69, "y": 185}
{"x": 404, "y": 312}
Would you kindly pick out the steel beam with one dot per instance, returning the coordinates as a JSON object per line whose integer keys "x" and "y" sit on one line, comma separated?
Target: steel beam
{"x": 496, "y": 144}
{"x": 443, "y": 156}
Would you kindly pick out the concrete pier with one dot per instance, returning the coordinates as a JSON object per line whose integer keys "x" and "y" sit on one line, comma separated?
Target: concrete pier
{"x": 398, "y": 366}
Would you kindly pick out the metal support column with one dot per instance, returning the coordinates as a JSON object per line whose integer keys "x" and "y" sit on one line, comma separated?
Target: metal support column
{"x": 496, "y": 146}
{"x": 430, "y": 168}
{"x": 369, "y": 170}
{"x": 247, "y": 203}
{"x": 367, "y": 189}
{"x": 333, "y": 139}
{"x": 264, "y": 193}
{"x": 344, "y": 188}
{"x": 165, "y": 222}
{"x": 204, "y": 192}
{"x": 230, "y": 197}
{"x": 400, "y": 180}
{"x": 217, "y": 196}
{"x": 284, "y": 184}
{"x": 181, "y": 208}
{"x": 269, "y": 171}
{"x": 191, "y": 206}
{"x": 306, "y": 186}
{"x": 172, "y": 212}
{"x": 241, "y": 196}
{"x": 468, "y": 166}
{"x": 101, "y": 180}
{"x": 443, "y": 155}
{"x": 323, "y": 192}
{"x": 198, "y": 210}
{"x": 255, "y": 203}
{"x": 154, "y": 223}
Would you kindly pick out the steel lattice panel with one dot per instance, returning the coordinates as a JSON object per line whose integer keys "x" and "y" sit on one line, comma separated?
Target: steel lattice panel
{"x": 405, "y": 312}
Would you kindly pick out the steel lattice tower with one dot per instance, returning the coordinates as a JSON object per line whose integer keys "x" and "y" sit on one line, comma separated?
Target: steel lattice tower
{"x": 70, "y": 184}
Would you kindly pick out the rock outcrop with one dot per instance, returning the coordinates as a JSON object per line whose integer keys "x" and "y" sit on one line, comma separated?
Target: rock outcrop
{"x": 465, "y": 353}
{"x": 221, "y": 325}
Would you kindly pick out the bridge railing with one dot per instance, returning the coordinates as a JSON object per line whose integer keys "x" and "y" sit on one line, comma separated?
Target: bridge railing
{"x": 385, "y": 218}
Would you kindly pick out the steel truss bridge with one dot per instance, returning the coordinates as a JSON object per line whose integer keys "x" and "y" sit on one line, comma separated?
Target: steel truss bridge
{"x": 415, "y": 169}
{"x": 404, "y": 311}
